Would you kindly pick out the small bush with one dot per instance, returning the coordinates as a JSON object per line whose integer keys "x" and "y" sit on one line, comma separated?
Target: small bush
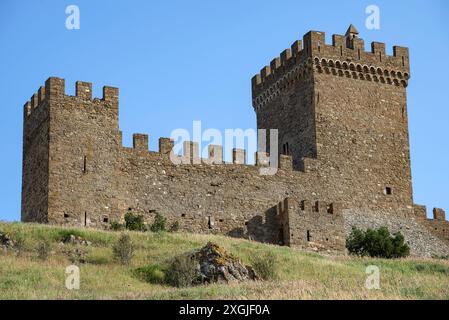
{"x": 158, "y": 224}
{"x": 182, "y": 272}
{"x": 265, "y": 265}
{"x": 116, "y": 226}
{"x": 152, "y": 274}
{"x": 174, "y": 227}
{"x": 123, "y": 250}
{"x": 43, "y": 249}
{"x": 377, "y": 243}
{"x": 134, "y": 222}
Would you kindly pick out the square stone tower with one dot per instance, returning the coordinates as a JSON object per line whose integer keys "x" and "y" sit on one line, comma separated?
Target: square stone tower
{"x": 70, "y": 146}
{"x": 342, "y": 111}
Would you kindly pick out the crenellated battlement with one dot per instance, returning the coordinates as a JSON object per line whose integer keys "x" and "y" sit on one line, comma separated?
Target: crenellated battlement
{"x": 438, "y": 225}
{"x": 191, "y": 153}
{"x": 54, "y": 89}
{"x": 317, "y": 224}
{"x": 345, "y": 57}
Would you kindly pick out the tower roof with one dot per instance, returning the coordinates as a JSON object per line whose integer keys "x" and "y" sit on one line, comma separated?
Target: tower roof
{"x": 351, "y": 30}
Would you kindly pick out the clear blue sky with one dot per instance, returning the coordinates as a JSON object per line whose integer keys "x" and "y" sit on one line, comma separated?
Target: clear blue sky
{"x": 179, "y": 61}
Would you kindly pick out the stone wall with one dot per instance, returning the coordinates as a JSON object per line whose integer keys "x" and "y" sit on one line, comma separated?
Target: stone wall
{"x": 35, "y": 161}
{"x": 315, "y": 226}
{"x": 439, "y": 226}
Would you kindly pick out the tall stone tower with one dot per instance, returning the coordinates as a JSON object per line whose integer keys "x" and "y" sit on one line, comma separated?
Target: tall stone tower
{"x": 70, "y": 146}
{"x": 342, "y": 111}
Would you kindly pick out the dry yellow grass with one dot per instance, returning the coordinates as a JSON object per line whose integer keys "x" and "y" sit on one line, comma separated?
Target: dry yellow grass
{"x": 302, "y": 275}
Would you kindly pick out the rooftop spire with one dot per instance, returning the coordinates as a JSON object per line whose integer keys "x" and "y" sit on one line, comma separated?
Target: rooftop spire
{"x": 351, "y": 31}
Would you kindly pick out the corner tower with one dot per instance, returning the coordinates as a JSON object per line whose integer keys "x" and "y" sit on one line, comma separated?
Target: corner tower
{"x": 70, "y": 146}
{"x": 342, "y": 112}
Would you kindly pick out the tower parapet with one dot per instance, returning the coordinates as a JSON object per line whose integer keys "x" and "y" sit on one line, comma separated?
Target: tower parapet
{"x": 346, "y": 56}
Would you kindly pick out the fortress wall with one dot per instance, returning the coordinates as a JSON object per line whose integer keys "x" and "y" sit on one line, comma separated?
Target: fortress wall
{"x": 314, "y": 225}
{"x": 343, "y": 140}
{"x": 232, "y": 199}
{"x": 439, "y": 226}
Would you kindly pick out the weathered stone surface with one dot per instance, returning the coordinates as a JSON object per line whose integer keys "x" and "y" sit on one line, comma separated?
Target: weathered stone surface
{"x": 214, "y": 264}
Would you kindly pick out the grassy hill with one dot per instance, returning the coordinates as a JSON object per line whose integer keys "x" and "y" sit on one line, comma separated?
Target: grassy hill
{"x": 302, "y": 275}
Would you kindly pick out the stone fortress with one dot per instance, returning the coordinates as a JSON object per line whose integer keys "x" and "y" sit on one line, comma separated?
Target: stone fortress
{"x": 344, "y": 159}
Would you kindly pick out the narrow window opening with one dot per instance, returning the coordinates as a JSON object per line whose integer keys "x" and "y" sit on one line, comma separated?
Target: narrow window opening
{"x": 358, "y": 53}
{"x": 380, "y": 56}
{"x": 308, "y": 236}
{"x": 85, "y": 219}
{"x": 388, "y": 190}
{"x": 105, "y": 219}
{"x": 319, "y": 46}
{"x": 209, "y": 222}
{"x": 85, "y": 164}
{"x": 330, "y": 209}
{"x": 302, "y": 205}
{"x": 341, "y": 50}
{"x": 318, "y": 98}
{"x": 403, "y": 61}
{"x": 317, "y": 207}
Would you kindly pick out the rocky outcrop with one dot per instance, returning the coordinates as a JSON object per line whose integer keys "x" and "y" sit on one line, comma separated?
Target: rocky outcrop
{"x": 214, "y": 264}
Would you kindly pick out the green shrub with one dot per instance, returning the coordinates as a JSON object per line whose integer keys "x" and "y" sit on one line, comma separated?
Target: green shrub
{"x": 123, "y": 250}
{"x": 116, "y": 226}
{"x": 152, "y": 274}
{"x": 134, "y": 222}
{"x": 377, "y": 243}
{"x": 158, "y": 224}
{"x": 265, "y": 265}
{"x": 174, "y": 227}
{"x": 43, "y": 249}
{"x": 182, "y": 272}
